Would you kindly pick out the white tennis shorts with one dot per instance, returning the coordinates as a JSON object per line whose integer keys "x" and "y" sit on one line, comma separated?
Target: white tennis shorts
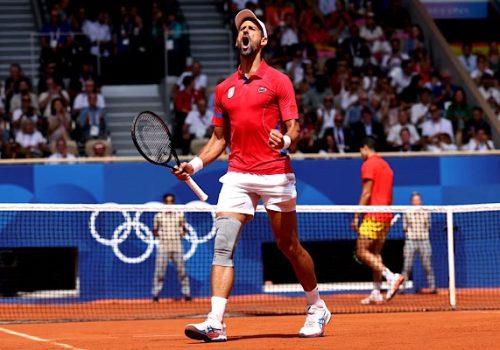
{"x": 240, "y": 192}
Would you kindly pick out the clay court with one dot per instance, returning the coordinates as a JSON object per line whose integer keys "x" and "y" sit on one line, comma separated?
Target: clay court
{"x": 376, "y": 326}
{"x": 429, "y": 330}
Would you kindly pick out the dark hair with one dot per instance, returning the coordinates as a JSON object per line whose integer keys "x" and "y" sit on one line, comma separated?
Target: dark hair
{"x": 169, "y": 194}
{"x": 477, "y": 108}
{"x": 366, "y": 110}
{"x": 425, "y": 90}
{"x": 187, "y": 80}
{"x": 404, "y": 129}
{"x": 369, "y": 142}
{"x": 52, "y": 105}
{"x": 464, "y": 102}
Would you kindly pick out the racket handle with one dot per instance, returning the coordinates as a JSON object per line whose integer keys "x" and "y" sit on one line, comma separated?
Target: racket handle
{"x": 196, "y": 189}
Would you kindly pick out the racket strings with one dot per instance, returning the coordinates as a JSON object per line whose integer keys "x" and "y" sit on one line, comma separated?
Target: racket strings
{"x": 153, "y": 139}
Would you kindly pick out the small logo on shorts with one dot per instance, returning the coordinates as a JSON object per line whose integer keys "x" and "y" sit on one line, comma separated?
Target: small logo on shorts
{"x": 262, "y": 89}
{"x": 230, "y": 92}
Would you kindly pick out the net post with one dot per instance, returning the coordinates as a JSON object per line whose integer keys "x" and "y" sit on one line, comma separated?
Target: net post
{"x": 451, "y": 259}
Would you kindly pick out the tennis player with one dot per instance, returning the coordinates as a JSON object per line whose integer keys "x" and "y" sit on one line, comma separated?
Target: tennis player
{"x": 258, "y": 169}
{"x": 377, "y": 179}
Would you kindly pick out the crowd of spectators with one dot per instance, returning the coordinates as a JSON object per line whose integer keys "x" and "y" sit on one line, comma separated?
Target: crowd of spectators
{"x": 83, "y": 47}
{"x": 358, "y": 68}
{"x": 362, "y": 68}
{"x": 52, "y": 123}
{"x": 484, "y": 69}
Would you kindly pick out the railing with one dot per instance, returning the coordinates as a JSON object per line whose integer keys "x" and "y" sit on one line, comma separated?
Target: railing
{"x": 306, "y": 156}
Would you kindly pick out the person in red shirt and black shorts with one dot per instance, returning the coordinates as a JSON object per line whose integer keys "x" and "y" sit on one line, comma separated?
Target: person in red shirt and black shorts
{"x": 377, "y": 179}
{"x": 249, "y": 105}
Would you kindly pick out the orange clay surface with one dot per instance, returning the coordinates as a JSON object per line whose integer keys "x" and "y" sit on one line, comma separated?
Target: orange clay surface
{"x": 467, "y": 299}
{"x": 421, "y": 330}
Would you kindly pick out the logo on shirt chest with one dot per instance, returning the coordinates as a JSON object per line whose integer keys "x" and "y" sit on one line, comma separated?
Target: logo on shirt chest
{"x": 230, "y": 92}
{"x": 262, "y": 89}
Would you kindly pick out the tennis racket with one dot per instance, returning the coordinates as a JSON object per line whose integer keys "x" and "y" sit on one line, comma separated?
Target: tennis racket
{"x": 394, "y": 219}
{"x": 153, "y": 140}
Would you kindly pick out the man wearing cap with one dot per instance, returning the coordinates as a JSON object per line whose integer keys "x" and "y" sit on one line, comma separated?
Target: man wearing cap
{"x": 249, "y": 105}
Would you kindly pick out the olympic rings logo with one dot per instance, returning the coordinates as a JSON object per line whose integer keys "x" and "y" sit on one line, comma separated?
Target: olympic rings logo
{"x": 133, "y": 224}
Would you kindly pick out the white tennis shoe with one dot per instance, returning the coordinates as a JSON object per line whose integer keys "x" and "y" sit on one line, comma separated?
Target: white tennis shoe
{"x": 394, "y": 285}
{"x": 211, "y": 330}
{"x": 375, "y": 297}
{"x": 316, "y": 321}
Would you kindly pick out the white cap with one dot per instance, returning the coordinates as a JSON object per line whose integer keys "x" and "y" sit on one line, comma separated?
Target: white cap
{"x": 246, "y": 13}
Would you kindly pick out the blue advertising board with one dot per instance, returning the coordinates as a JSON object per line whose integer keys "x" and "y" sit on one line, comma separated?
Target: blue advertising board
{"x": 441, "y": 181}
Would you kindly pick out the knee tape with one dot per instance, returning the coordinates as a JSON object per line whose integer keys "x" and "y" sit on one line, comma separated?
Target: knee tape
{"x": 227, "y": 235}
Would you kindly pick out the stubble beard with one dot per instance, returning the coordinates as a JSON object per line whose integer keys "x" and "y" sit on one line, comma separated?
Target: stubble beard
{"x": 247, "y": 52}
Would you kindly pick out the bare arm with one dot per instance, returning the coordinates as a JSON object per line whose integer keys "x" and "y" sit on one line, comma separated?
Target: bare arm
{"x": 155, "y": 226}
{"x": 405, "y": 223}
{"x": 366, "y": 192}
{"x": 210, "y": 152}
{"x": 292, "y": 130}
{"x": 182, "y": 223}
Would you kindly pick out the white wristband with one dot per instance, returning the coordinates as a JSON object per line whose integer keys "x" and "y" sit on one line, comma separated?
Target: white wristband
{"x": 286, "y": 141}
{"x": 197, "y": 164}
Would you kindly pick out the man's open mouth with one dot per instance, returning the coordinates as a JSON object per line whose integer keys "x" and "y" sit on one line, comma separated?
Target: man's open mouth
{"x": 245, "y": 41}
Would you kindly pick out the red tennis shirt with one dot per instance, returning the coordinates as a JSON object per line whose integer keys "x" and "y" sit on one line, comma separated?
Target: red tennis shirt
{"x": 377, "y": 170}
{"x": 252, "y": 107}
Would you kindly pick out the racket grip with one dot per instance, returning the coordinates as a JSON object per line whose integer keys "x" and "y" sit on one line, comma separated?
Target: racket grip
{"x": 196, "y": 189}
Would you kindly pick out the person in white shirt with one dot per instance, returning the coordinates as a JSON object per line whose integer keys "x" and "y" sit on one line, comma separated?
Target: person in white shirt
{"x": 82, "y": 99}
{"x": 419, "y": 111}
{"x": 31, "y": 141}
{"x": 467, "y": 58}
{"x": 402, "y": 76}
{"x": 395, "y": 57}
{"x": 61, "y": 150}
{"x": 325, "y": 116}
{"x": 436, "y": 125}
{"x": 289, "y": 34}
{"x": 481, "y": 69}
{"x": 200, "y": 79}
{"x": 441, "y": 143}
{"x": 54, "y": 90}
{"x": 295, "y": 68}
{"x": 25, "y": 111}
{"x": 99, "y": 34}
{"x": 480, "y": 142}
{"x": 197, "y": 125}
{"x": 489, "y": 90}
{"x": 373, "y": 35}
{"x": 394, "y": 138}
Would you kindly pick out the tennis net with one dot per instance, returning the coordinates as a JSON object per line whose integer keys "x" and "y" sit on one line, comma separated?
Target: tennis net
{"x": 97, "y": 262}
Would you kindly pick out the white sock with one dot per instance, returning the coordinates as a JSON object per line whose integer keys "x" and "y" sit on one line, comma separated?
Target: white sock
{"x": 388, "y": 275}
{"x": 377, "y": 286}
{"x": 219, "y": 307}
{"x": 313, "y": 298}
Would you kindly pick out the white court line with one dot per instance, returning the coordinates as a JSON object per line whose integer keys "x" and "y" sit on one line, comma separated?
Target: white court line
{"x": 41, "y": 340}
